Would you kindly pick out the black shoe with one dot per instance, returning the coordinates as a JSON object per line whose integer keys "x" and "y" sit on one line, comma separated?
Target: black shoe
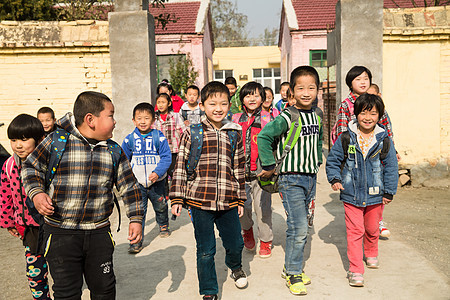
{"x": 239, "y": 277}
{"x": 210, "y": 297}
{"x": 135, "y": 248}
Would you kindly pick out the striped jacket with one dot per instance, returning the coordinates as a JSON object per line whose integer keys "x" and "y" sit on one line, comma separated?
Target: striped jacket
{"x": 346, "y": 114}
{"x": 172, "y": 128}
{"x": 305, "y": 156}
{"x": 82, "y": 187}
{"x": 219, "y": 183}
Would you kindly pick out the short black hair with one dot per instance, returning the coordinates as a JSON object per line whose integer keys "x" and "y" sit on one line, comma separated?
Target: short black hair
{"x": 355, "y": 72}
{"x": 46, "y": 110}
{"x": 376, "y": 87}
{"x": 88, "y": 102}
{"x": 193, "y": 87}
{"x": 25, "y": 126}
{"x": 167, "y": 97}
{"x": 285, "y": 83}
{"x": 252, "y": 87}
{"x": 266, "y": 88}
{"x": 367, "y": 102}
{"x": 230, "y": 80}
{"x": 304, "y": 71}
{"x": 144, "y": 106}
{"x": 213, "y": 88}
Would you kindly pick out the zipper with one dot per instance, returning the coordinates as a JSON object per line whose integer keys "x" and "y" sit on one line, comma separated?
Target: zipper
{"x": 218, "y": 166}
{"x": 88, "y": 183}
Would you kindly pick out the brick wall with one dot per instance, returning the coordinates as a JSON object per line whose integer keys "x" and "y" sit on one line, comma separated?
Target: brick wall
{"x": 49, "y": 64}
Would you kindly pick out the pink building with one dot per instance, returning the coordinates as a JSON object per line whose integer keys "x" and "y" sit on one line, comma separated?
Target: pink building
{"x": 190, "y": 35}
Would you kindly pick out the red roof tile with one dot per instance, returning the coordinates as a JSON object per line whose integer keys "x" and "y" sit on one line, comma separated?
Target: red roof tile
{"x": 317, "y": 14}
{"x": 185, "y": 12}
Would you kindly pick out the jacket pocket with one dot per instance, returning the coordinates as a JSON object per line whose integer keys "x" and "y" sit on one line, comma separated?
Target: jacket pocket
{"x": 376, "y": 187}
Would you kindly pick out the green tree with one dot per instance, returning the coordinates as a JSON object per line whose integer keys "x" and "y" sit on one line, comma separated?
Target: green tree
{"x": 182, "y": 72}
{"x": 24, "y": 10}
{"x": 228, "y": 25}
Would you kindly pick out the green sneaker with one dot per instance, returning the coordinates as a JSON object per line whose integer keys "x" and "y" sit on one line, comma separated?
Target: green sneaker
{"x": 295, "y": 284}
{"x": 305, "y": 278}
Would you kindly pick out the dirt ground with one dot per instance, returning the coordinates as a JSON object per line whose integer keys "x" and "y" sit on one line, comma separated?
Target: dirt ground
{"x": 419, "y": 219}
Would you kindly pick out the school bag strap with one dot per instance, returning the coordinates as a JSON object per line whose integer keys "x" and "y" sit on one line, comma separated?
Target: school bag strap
{"x": 195, "y": 152}
{"x": 292, "y": 137}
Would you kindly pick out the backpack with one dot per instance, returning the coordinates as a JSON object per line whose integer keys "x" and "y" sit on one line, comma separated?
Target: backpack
{"x": 197, "y": 146}
{"x": 270, "y": 185}
{"x": 351, "y": 107}
{"x": 58, "y": 146}
{"x": 347, "y": 148}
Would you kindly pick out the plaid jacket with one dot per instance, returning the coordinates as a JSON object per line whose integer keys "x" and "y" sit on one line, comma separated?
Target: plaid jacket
{"x": 172, "y": 128}
{"x": 82, "y": 187}
{"x": 345, "y": 115}
{"x": 219, "y": 183}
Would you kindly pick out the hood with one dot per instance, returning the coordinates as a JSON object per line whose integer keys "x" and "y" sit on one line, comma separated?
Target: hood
{"x": 380, "y": 131}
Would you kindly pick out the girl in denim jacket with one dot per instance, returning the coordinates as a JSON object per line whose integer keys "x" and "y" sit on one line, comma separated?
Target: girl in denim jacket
{"x": 366, "y": 180}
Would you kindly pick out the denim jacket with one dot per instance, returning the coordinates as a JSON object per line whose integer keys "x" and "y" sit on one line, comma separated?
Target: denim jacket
{"x": 365, "y": 180}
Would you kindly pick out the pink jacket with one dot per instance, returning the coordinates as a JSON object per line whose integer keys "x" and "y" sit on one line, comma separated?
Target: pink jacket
{"x": 172, "y": 128}
{"x": 13, "y": 210}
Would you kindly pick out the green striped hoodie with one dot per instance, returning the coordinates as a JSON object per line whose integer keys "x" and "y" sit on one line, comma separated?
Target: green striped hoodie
{"x": 305, "y": 156}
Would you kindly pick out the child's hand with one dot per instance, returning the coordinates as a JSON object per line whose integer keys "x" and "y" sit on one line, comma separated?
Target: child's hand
{"x": 266, "y": 174}
{"x": 135, "y": 232}
{"x": 176, "y": 209}
{"x": 153, "y": 177}
{"x": 398, "y": 157}
{"x": 386, "y": 201}
{"x": 13, "y": 231}
{"x": 240, "y": 211}
{"x": 186, "y": 123}
{"x": 43, "y": 204}
{"x": 337, "y": 186}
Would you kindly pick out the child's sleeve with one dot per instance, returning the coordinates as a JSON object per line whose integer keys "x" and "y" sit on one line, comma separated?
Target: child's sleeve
{"x": 386, "y": 121}
{"x": 334, "y": 161}
{"x": 6, "y": 203}
{"x": 126, "y": 147}
{"x": 128, "y": 189}
{"x": 390, "y": 172}
{"x": 177, "y": 193}
{"x": 266, "y": 138}
{"x": 320, "y": 143}
{"x": 343, "y": 118}
{"x": 165, "y": 156}
{"x": 239, "y": 170}
{"x": 181, "y": 126}
{"x": 34, "y": 168}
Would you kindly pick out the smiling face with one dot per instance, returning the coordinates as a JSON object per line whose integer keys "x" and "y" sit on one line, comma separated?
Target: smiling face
{"x": 252, "y": 101}
{"x": 47, "y": 121}
{"x": 23, "y": 147}
{"x": 216, "y": 108}
{"x": 305, "y": 91}
{"x": 143, "y": 120}
{"x": 104, "y": 124}
{"x": 367, "y": 119}
{"x": 162, "y": 104}
{"x": 283, "y": 91}
{"x": 361, "y": 84}
{"x": 269, "y": 99}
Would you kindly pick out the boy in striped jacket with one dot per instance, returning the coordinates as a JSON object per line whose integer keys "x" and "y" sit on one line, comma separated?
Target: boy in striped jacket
{"x": 297, "y": 180}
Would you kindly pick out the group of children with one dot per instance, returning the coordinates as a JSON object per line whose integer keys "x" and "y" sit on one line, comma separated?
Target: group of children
{"x": 212, "y": 164}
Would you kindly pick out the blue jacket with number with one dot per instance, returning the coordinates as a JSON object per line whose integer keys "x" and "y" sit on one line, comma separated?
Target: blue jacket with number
{"x": 145, "y": 156}
{"x": 365, "y": 180}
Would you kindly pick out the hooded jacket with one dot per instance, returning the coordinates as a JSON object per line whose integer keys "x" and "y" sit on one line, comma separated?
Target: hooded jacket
{"x": 365, "y": 180}
{"x": 82, "y": 187}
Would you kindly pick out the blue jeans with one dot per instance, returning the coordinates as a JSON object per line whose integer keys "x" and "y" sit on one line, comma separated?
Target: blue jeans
{"x": 157, "y": 195}
{"x": 297, "y": 190}
{"x": 229, "y": 227}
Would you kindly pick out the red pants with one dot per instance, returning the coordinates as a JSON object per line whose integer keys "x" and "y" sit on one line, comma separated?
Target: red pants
{"x": 361, "y": 223}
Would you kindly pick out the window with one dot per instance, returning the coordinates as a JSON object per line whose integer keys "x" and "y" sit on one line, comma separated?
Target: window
{"x": 318, "y": 58}
{"x": 270, "y": 77}
{"x": 163, "y": 66}
{"x": 221, "y": 75}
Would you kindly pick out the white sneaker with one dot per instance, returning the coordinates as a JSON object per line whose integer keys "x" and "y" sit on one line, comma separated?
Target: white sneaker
{"x": 384, "y": 232}
{"x": 239, "y": 277}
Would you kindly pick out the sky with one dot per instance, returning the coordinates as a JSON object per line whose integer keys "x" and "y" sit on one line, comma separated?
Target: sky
{"x": 261, "y": 14}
